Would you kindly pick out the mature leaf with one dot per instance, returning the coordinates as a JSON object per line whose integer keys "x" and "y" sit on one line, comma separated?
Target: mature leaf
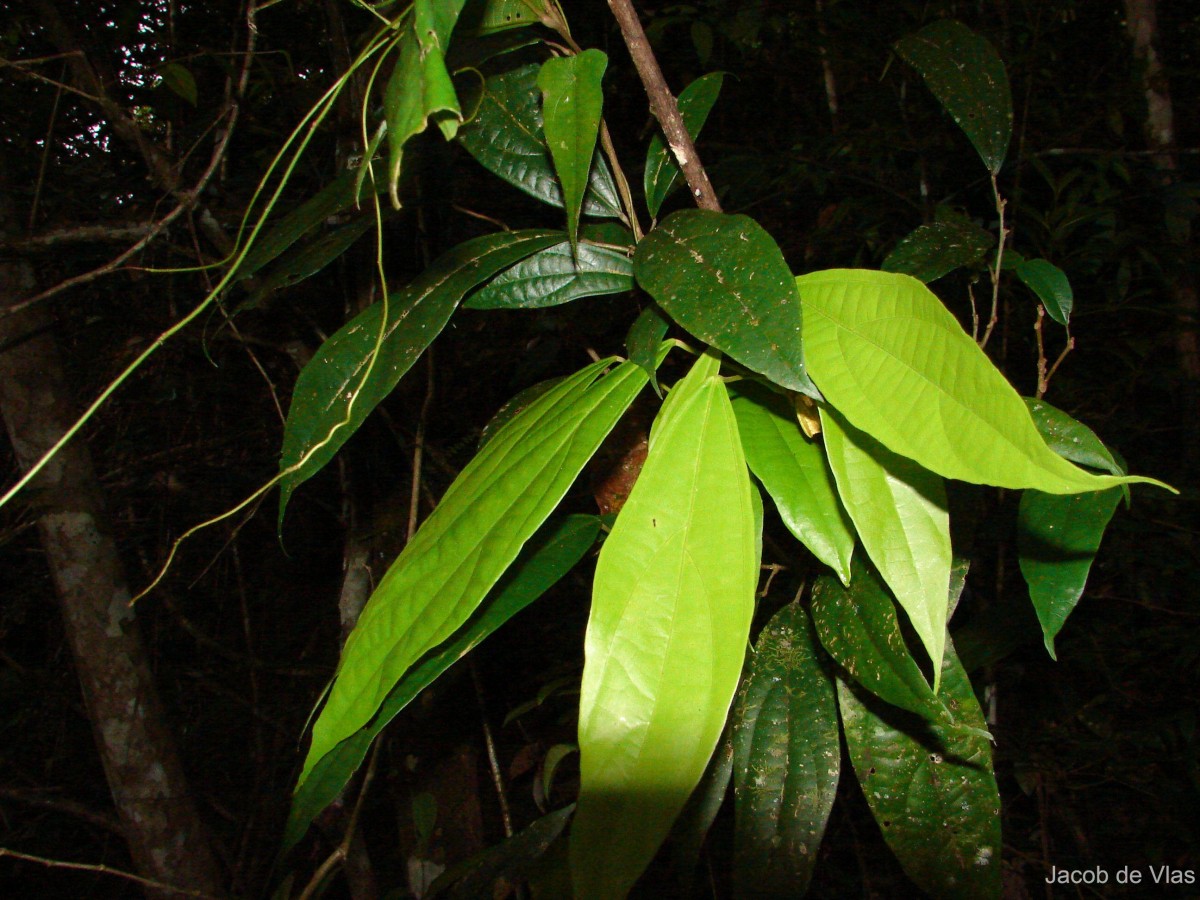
{"x": 506, "y": 138}
{"x": 572, "y": 99}
{"x": 795, "y": 473}
{"x": 1070, "y": 438}
{"x": 859, "y": 627}
{"x": 420, "y": 87}
{"x": 671, "y": 608}
{"x": 662, "y": 172}
{"x": 966, "y": 74}
{"x": 470, "y": 539}
{"x": 548, "y": 556}
{"x": 935, "y": 250}
{"x": 335, "y": 391}
{"x": 493, "y": 16}
{"x": 698, "y": 814}
{"x": 642, "y": 342}
{"x": 180, "y": 81}
{"x": 787, "y": 759}
{"x": 930, "y": 788}
{"x": 900, "y": 512}
{"x": 1056, "y": 542}
{"x": 310, "y": 259}
{"x": 892, "y": 360}
{"x": 723, "y": 279}
{"x": 1050, "y": 284}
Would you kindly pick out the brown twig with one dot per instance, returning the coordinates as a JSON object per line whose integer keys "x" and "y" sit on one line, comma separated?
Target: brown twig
{"x": 103, "y": 870}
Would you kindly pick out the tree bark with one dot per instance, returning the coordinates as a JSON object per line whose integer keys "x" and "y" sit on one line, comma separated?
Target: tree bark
{"x": 166, "y": 838}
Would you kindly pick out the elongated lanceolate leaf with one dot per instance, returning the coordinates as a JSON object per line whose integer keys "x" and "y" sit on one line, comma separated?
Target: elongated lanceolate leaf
{"x": 334, "y": 393}
{"x": 1070, "y": 438}
{"x": 787, "y": 759}
{"x": 572, "y": 98}
{"x": 900, "y": 512}
{"x": 793, "y": 470}
{"x": 671, "y": 608}
{"x": 662, "y": 172}
{"x": 966, "y": 74}
{"x": 1050, "y": 284}
{"x": 724, "y": 279}
{"x": 935, "y": 250}
{"x": 470, "y": 539}
{"x": 859, "y": 627}
{"x": 311, "y": 258}
{"x": 420, "y": 87}
{"x": 506, "y": 138}
{"x": 548, "y": 556}
{"x": 930, "y": 788}
{"x": 894, "y": 362}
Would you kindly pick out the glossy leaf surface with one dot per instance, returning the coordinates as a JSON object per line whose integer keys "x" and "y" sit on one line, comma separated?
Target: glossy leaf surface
{"x": 724, "y": 279}
{"x": 1070, "y": 438}
{"x": 966, "y": 74}
{"x": 787, "y": 759}
{"x": 930, "y": 788}
{"x": 894, "y": 362}
{"x": 457, "y": 555}
{"x": 671, "y": 607}
{"x": 795, "y": 473}
{"x": 662, "y": 172}
{"x": 902, "y": 517}
{"x": 938, "y": 249}
{"x": 335, "y": 393}
{"x": 1050, "y": 284}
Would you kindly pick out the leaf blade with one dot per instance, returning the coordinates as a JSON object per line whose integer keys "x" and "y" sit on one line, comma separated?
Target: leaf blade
{"x": 662, "y": 173}
{"x": 932, "y": 251}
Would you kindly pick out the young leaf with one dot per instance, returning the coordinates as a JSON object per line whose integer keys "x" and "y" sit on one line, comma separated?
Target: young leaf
{"x": 930, "y": 788}
{"x": 795, "y": 473}
{"x": 549, "y": 555}
{"x": 662, "y": 172}
{"x": 1050, "y": 284}
{"x": 331, "y": 398}
{"x": 900, "y": 512}
{"x": 935, "y": 250}
{"x": 506, "y": 138}
{"x": 420, "y": 87}
{"x": 470, "y": 539}
{"x": 1056, "y": 542}
{"x": 671, "y": 608}
{"x": 572, "y": 98}
{"x": 724, "y": 279}
{"x": 787, "y": 759}
{"x": 966, "y": 74}
{"x": 642, "y": 342}
{"x": 894, "y": 362}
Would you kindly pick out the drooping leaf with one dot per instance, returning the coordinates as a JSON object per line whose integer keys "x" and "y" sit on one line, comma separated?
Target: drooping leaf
{"x": 966, "y": 74}
{"x": 902, "y": 517}
{"x": 180, "y": 81}
{"x": 894, "y": 362}
{"x": 1057, "y": 539}
{"x": 469, "y": 540}
{"x": 930, "y": 788}
{"x": 724, "y": 279}
{"x": 548, "y": 556}
{"x": 671, "y": 607}
{"x": 572, "y": 99}
{"x": 310, "y": 259}
{"x": 506, "y": 138}
{"x": 661, "y": 174}
{"x": 787, "y": 759}
{"x": 420, "y": 87}
{"x": 642, "y": 342}
{"x": 334, "y": 394}
{"x": 859, "y": 627}
{"x": 1070, "y": 438}
{"x": 795, "y": 473}
{"x": 935, "y": 250}
{"x": 1050, "y": 284}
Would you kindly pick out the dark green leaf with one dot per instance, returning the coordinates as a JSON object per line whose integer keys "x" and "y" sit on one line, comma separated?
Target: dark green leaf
{"x": 307, "y": 261}
{"x": 179, "y": 80}
{"x": 1071, "y": 439}
{"x": 644, "y": 338}
{"x": 695, "y": 102}
{"x": 493, "y": 16}
{"x": 935, "y": 250}
{"x": 1050, "y": 284}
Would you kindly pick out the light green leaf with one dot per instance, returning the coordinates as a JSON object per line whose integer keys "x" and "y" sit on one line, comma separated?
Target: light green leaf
{"x": 548, "y": 556}
{"x": 724, "y": 279}
{"x": 179, "y": 80}
{"x": 695, "y": 102}
{"x": 331, "y": 398}
{"x": 506, "y": 138}
{"x": 572, "y": 99}
{"x": 671, "y": 608}
{"x": 787, "y": 759}
{"x": 1057, "y": 540}
{"x": 1050, "y": 284}
{"x": 470, "y": 539}
{"x": 935, "y": 250}
{"x": 894, "y": 362}
{"x": 494, "y": 16}
{"x": 930, "y": 788}
{"x": 900, "y": 512}
{"x": 966, "y": 74}
{"x": 793, "y": 470}
{"x": 645, "y": 336}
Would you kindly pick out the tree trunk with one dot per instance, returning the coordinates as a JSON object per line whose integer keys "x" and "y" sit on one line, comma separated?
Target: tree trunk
{"x": 166, "y": 838}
